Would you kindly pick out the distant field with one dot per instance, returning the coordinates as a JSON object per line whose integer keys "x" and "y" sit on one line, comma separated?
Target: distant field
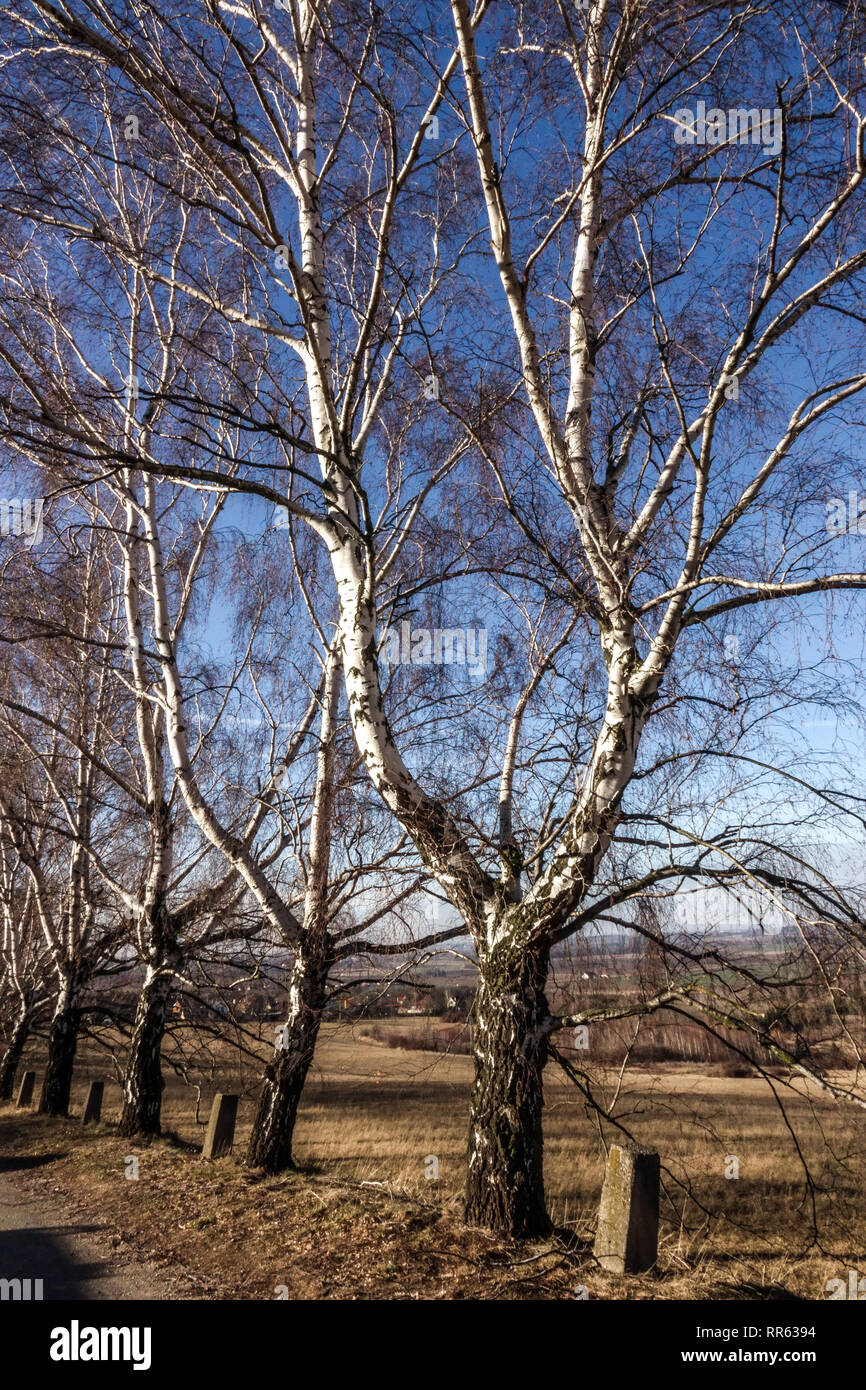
{"x": 375, "y": 1114}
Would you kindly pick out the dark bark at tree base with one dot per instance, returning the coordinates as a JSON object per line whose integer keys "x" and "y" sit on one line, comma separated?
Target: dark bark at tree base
{"x": 12, "y": 1056}
{"x": 62, "y": 1047}
{"x": 143, "y": 1083}
{"x": 270, "y": 1145}
{"x": 505, "y": 1180}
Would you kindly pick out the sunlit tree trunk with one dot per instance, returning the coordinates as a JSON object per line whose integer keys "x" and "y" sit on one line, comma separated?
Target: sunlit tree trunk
{"x": 143, "y": 1082}
{"x": 505, "y": 1178}
{"x": 273, "y": 1130}
{"x": 274, "y": 1126}
{"x": 62, "y": 1046}
{"x": 14, "y": 1050}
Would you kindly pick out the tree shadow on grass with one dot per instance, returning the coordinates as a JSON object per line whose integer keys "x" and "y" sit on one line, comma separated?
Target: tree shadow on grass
{"x": 10, "y": 1164}
{"x": 753, "y": 1293}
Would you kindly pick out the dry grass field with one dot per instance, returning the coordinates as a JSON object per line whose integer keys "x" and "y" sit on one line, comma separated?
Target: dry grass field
{"x": 361, "y": 1219}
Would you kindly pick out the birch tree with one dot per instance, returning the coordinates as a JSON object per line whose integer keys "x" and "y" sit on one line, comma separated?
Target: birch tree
{"x": 280, "y": 824}
{"x": 143, "y": 851}
{"x": 52, "y": 811}
{"x": 23, "y": 965}
{"x": 652, "y": 272}
{"x": 384, "y": 319}
{"x": 637, "y": 218}
{"x": 183, "y": 778}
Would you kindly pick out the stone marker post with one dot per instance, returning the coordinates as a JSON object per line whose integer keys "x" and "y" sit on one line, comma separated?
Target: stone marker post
{"x": 628, "y": 1218}
{"x": 25, "y": 1093}
{"x": 93, "y": 1104}
{"x": 221, "y": 1126}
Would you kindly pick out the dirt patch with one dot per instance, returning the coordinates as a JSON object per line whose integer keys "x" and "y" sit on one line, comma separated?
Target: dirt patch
{"x": 220, "y": 1230}
{"x": 374, "y": 1115}
{"x": 69, "y": 1252}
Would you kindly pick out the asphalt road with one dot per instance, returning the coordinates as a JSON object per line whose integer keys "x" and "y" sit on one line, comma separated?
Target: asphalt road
{"x": 38, "y": 1240}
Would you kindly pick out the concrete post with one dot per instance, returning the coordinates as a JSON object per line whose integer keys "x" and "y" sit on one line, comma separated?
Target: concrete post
{"x": 25, "y": 1093}
{"x": 628, "y": 1219}
{"x": 93, "y": 1104}
{"x": 221, "y": 1126}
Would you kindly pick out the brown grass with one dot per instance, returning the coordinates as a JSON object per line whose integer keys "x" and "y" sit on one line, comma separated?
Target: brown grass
{"x": 372, "y": 1114}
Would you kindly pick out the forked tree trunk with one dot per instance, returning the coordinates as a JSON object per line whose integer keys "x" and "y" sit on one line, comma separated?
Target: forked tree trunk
{"x": 143, "y": 1082}
{"x": 505, "y": 1181}
{"x": 12, "y": 1055}
{"x": 62, "y": 1046}
{"x": 274, "y": 1126}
